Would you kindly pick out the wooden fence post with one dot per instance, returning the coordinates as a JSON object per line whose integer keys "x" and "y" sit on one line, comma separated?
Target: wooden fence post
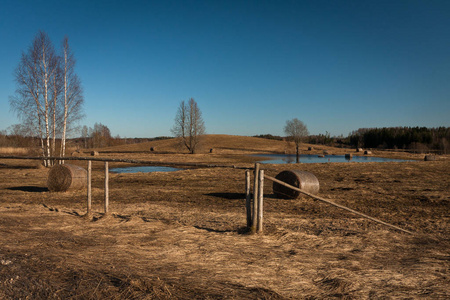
{"x": 106, "y": 187}
{"x": 248, "y": 198}
{"x": 255, "y": 200}
{"x": 89, "y": 188}
{"x": 260, "y": 201}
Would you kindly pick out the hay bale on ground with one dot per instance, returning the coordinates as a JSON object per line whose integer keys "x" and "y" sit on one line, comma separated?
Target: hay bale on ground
{"x": 367, "y": 152}
{"x": 61, "y": 178}
{"x": 94, "y": 153}
{"x": 300, "y": 179}
{"x": 359, "y": 150}
{"x": 430, "y": 158}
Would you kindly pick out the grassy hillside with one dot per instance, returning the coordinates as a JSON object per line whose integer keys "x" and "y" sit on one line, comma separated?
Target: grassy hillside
{"x": 220, "y": 143}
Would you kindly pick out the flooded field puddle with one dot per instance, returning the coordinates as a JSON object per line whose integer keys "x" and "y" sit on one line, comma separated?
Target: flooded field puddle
{"x": 310, "y": 158}
{"x": 143, "y": 169}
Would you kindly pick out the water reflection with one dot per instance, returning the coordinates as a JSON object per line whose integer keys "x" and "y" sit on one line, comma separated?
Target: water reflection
{"x": 310, "y": 158}
{"x": 143, "y": 169}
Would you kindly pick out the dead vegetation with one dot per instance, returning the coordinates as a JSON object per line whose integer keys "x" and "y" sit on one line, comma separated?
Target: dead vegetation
{"x": 181, "y": 235}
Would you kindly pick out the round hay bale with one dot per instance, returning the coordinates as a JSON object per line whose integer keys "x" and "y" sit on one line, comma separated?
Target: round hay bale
{"x": 300, "y": 179}
{"x": 367, "y": 152}
{"x": 430, "y": 158}
{"x": 64, "y": 177}
{"x": 359, "y": 150}
{"x": 94, "y": 153}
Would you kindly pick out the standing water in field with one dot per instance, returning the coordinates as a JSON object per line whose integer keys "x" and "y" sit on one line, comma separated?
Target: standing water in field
{"x": 310, "y": 158}
{"x": 143, "y": 169}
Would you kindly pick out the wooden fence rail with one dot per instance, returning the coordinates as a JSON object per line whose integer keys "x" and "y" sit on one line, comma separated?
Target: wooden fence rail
{"x": 123, "y": 160}
{"x": 337, "y": 205}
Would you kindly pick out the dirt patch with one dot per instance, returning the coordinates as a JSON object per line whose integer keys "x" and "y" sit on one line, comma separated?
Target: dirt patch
{"x": 180, "y": 235}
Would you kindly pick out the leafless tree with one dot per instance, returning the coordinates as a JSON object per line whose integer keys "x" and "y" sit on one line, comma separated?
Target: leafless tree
{"x": 189, "y": 124}
{"x": 296, "y": 130}
{"x": 33, "y": 95}
{"x": 72, "y": 93}
{"x": 39, "y": 100}
{"x": 100, "y": 135}
{"x": 85, "y": 135}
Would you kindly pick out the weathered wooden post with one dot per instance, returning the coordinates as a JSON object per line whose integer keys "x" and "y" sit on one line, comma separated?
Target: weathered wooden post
{"x": 260, "y": 201}
{"x": 106, "y": 187}
{"x": 248, "y": 198}
{"x": 255, "y": 199}
{"x": 89, "y": 188}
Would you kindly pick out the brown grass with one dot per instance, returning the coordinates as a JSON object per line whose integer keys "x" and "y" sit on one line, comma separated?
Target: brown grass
{"x": 15, "y": 151}
{"x": 180, "y": 235}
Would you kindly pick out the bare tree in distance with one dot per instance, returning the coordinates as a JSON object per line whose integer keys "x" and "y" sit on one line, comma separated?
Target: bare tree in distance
{"x": 189, "y": 125}
{"x": 296, "y": 130}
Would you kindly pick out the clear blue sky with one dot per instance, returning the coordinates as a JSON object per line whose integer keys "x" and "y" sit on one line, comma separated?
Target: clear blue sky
{"x": 250, "y": 65}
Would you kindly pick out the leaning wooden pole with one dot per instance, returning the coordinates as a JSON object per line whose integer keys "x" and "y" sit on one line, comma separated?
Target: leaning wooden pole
{"x": 335, "y": 204}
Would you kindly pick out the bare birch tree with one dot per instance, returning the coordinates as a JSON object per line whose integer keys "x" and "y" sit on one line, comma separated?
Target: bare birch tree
{"x": 189, "y": 124}
{"x": 296, "y": 130}
{"x": 33, "y": 95}
{"x": 72, "y": 93}
{"x": 37, "y": 101}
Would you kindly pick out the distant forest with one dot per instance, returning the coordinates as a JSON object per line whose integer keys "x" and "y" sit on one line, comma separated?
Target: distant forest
{"x": 419, "y": 139}
{"x": 416, "y": 139}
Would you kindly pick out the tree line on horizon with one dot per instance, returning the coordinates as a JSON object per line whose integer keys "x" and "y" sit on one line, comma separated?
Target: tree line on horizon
{"x": 420, "y": 139}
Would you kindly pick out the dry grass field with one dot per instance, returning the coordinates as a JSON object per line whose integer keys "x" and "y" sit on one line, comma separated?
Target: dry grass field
{"x": 181, "y": 235}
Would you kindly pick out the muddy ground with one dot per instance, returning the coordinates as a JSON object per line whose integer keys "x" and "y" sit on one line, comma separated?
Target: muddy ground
{"x": 181, "y": 235}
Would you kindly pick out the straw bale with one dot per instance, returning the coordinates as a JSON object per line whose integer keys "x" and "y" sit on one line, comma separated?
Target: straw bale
{"x": 301, "y": 179}
{"x": 367, "y": 152}
{"x": 94, "y": 153}
{"x": 430, "y": 158}
{"x": 61, "y": 178}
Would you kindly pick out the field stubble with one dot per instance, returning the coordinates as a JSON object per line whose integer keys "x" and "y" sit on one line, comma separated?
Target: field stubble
{"x": 180, "y": 235}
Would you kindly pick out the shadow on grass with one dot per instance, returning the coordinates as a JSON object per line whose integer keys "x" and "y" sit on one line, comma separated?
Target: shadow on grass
{"x": 29, "y": 189}
{"x": 233, "y": 196}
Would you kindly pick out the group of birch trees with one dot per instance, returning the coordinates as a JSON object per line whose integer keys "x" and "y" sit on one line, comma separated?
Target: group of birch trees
{"x": 49, "y": 97}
